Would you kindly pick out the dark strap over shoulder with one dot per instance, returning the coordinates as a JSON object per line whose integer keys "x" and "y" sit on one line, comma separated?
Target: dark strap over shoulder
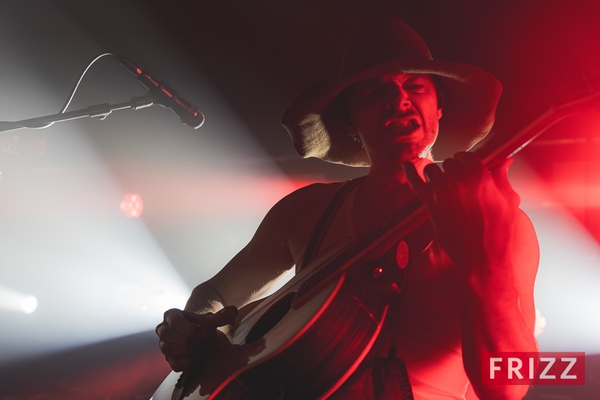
{"x": 318, "y": 234}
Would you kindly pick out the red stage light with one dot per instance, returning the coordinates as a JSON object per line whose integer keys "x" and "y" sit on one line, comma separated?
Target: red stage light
{"x": 132, "y": 205}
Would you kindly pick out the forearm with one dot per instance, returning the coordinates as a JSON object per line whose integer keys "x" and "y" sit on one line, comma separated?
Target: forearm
{"x": 204, "y": 299}
{"x": 494, "y": 321}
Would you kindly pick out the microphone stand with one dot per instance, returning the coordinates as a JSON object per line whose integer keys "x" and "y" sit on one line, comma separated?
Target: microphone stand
{"x": 100, "y": 111}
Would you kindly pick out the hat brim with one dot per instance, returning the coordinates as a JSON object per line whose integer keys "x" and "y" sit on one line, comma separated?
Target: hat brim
{"x": 471, "y": 95}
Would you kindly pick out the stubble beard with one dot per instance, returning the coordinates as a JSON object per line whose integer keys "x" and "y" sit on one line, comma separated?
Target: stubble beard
{"x": 393, "y": 155}
{"x": 415, "y": 151}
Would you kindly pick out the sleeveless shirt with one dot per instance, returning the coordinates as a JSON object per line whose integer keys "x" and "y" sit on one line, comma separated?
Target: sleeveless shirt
{"x": 426, "y": 333}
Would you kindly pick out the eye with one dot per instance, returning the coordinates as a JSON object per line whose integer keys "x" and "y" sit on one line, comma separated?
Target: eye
{"x": 415, "y": 87}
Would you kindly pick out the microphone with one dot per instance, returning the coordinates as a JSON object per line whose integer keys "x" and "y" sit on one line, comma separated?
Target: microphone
{"x": 165, "y": 95}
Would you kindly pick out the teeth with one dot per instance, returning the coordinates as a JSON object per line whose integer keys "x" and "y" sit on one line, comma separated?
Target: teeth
{"x": 405, "y": 125}
{"x": 404, "y": 122}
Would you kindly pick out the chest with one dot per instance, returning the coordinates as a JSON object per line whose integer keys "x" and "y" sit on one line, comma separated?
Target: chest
{"x": 429, "y": 288}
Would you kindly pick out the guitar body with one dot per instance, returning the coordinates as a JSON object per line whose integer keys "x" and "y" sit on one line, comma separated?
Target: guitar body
{"x": 303, "y": 345}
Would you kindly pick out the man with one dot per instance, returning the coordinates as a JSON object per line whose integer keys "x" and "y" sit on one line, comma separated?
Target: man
{"x": 468, "y": 292}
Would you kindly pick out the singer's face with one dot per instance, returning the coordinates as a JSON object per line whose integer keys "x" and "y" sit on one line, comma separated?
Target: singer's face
{"x": 396, "y": 115}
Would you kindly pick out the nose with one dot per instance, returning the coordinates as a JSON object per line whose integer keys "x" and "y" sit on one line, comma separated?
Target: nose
{"x": 398, "y": 97}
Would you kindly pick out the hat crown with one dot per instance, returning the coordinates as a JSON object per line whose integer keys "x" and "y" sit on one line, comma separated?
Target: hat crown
{"x": 379, "y": 41}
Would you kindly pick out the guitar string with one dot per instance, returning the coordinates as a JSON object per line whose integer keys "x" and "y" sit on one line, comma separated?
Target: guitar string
{"x": 291, "y": 286}
{"x": 253, "y": 316}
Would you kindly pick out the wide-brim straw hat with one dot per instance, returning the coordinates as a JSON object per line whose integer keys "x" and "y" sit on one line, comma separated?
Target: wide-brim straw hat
{"x": 470, "y": 95}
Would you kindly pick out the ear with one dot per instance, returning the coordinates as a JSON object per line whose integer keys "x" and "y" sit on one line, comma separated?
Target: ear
{"x": 439, "y": 113}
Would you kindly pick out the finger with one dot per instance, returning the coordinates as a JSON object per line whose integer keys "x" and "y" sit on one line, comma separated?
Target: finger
{"x": 173, "y": 350}
{"x": 434, "y": 175}
{"x": 179, "y": 364}
{"x": 468, "y": 158}
{"x": 176, "y": 320}
{"x": 159, "y": 327}
{"x": 224, "y": 316}
{"x": 471, "y": 164}
{"x": 500, "y": 176}
{"x": 453, "y": 169}
{"x": 169, "y": 335}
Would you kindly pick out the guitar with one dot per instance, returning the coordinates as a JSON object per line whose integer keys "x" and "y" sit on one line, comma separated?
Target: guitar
{"x": 307, "y": 338}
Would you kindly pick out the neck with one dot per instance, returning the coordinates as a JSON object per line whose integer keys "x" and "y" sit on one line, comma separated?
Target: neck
{"x": 382, "y": 192}
{"x": 385, "y": 179}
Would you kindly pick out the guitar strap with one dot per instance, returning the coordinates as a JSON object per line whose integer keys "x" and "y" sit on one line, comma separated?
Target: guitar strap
{"x": 322, "y": 226}
{"x": 377, "y": 367}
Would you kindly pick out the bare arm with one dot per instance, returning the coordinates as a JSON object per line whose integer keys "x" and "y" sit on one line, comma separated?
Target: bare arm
{"x": 187, "y": 336}
{"x": 494, "y": 249}
{"x": 247, "y": 277}
{"x": 250, "y": 274}
{"x": 499, "y": 312}
{"x": 284, "y": 231}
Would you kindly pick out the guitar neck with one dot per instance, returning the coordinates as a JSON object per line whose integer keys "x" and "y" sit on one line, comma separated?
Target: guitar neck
{"x": 499, "y": 148}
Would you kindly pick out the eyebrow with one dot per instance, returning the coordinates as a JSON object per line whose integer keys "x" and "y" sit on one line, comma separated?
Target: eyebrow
{"x": 417, "y": 77}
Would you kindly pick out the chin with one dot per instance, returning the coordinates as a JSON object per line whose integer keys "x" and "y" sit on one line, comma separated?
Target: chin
{"x": 412, "y": 153}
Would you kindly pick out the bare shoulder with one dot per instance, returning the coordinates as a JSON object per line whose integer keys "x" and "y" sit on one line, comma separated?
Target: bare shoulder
{"x": 309, "y": 197}
{"x": 275, "y": 247}
{"x": 297, "y": 213}
{"x": 307, "y": 202}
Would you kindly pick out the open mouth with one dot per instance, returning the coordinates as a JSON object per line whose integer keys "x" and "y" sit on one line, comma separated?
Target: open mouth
{"x": 403, "y": 125}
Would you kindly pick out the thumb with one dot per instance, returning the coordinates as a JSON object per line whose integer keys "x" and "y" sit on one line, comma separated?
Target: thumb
{"x": 225, "y": 316}
{"x": 500, "y": 176}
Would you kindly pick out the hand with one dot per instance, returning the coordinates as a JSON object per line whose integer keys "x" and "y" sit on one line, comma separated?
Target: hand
{"x": 187, "y": 337}
{"x": 473, "y": 209}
